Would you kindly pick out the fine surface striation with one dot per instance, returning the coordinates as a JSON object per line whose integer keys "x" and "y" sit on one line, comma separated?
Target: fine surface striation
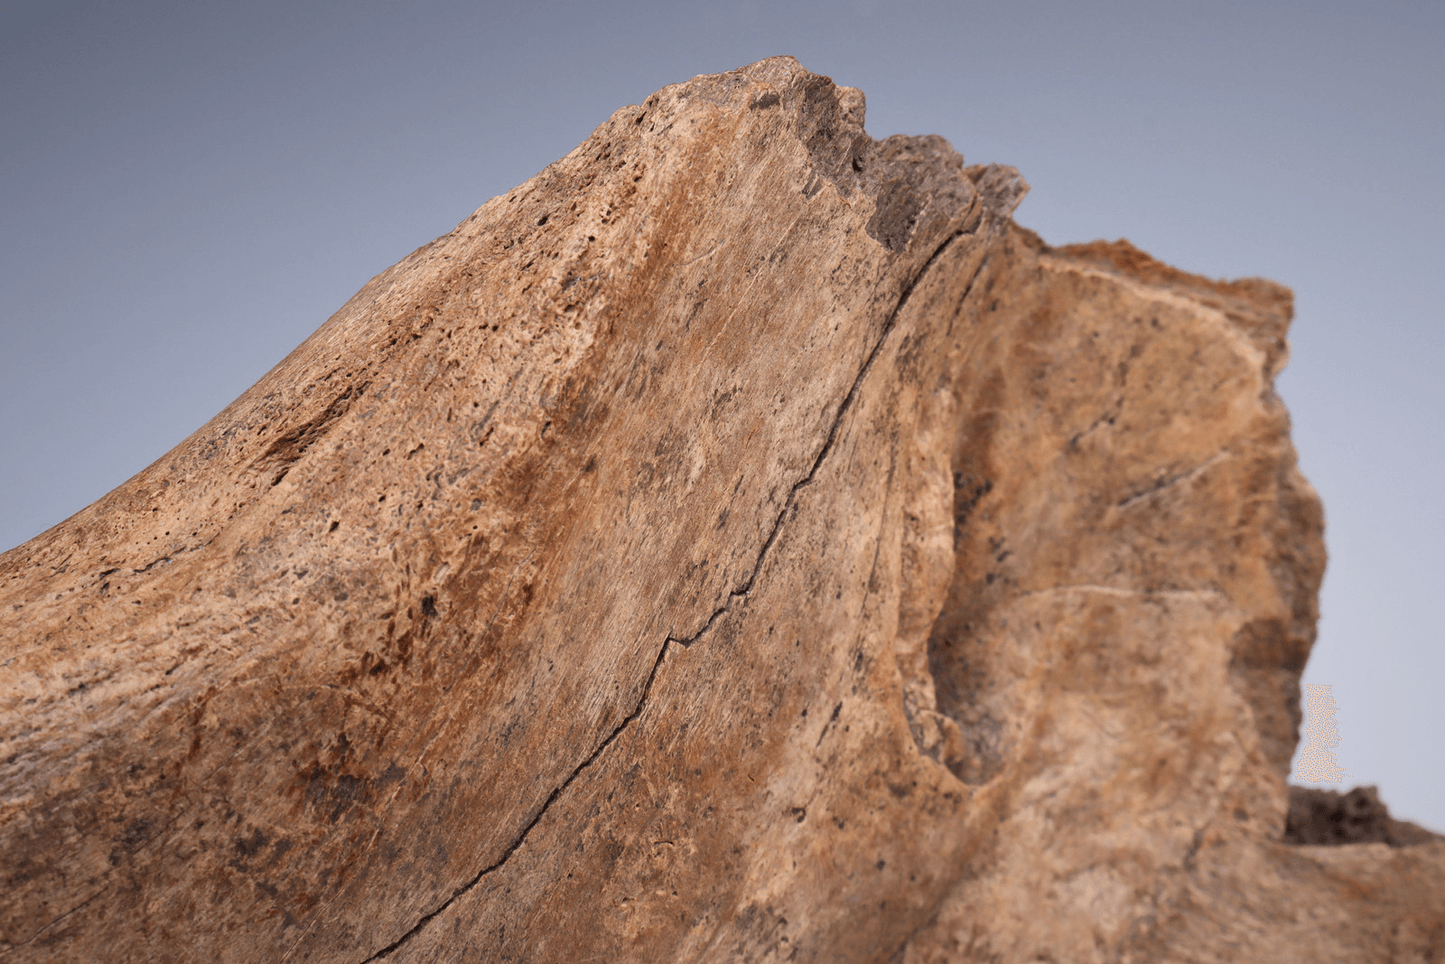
{"x": 740, "y": 542}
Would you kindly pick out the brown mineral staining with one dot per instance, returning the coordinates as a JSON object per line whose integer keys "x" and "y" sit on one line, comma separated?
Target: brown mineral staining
{"x": 739, "y": 542}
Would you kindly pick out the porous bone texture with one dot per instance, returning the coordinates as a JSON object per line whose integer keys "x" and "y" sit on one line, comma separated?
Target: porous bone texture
{"x": 740, "y": 542}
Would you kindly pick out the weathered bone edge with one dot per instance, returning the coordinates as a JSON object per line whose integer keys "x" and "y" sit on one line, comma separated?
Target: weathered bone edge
{"x": 739, "y": 542}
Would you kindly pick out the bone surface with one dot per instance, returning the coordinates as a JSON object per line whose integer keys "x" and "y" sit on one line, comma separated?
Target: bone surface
{"x": 740, "y": 542}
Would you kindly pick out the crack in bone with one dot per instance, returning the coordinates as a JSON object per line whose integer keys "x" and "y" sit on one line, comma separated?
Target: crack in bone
{"x": 712, "y": 620}
{"x": 1168, "y": 483}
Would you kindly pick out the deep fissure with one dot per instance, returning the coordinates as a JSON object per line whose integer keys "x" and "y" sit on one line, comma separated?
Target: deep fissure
{"x": 788, "y": 504}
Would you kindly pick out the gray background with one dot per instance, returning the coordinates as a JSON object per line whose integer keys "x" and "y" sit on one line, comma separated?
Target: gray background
{"x": 189, "y": 189}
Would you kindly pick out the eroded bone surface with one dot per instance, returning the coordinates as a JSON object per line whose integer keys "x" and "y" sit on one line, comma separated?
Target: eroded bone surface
{"x": 740, "y": 542}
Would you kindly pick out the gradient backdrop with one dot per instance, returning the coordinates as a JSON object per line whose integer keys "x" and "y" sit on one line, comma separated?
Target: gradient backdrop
{"x": 187, "y": 190}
